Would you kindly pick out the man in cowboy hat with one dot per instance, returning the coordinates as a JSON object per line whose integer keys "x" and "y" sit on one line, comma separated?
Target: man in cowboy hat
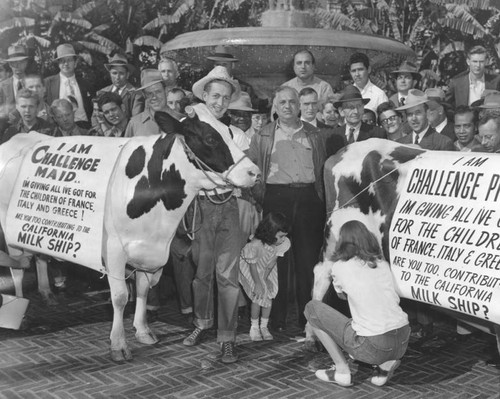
{"x": 406, "y": 77}
{"x": 132, "y": 100}
{"x": 423, "y": 133}
{"x": 18, "y": 61}
{"x": 359, "y": 68}
{"x": 467, "y": 87}
{"x": 66, "y": 85}
{"x": 351, "y": 105}
{"x": 291, "y": 153}
{"x": 303, "y": 67}
{"x": 216, "y": 246}
{"x": 153, "y": 90}
{"x": 437, "y": 113}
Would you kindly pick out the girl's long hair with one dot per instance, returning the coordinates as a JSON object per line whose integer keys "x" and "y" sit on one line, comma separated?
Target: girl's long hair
{"x": 355, "y": 240}
{"x": 270, "y": 225}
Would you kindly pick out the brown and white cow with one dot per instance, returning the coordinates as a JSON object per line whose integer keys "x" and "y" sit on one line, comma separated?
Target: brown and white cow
{"x": 364, "y": 182}
{"x": 154, "y": 180}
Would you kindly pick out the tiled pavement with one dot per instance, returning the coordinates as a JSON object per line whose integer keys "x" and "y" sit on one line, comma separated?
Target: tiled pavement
{"x": 63, "y": 353}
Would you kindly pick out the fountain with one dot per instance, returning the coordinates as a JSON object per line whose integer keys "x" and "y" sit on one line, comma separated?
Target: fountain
{"x": 265, "y": 53}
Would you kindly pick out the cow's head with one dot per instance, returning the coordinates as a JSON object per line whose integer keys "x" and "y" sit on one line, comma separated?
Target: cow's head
{"x": 220, "y": 158}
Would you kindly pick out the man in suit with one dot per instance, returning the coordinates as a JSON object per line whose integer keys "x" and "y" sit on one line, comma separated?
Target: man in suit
{"x": 422, "y": 133}
{"x": 132, "y": 99}
{"x": 437, "y": 115}
{"x": 66, "y": 85}
{"x": 406, "y": 77}
{"x": 291, "y": 155}
{"x": 18, "y": 61}
{"x": 309, "y": 108}
{"x": 351, "y": 106}
{"x": 467, "y": 87}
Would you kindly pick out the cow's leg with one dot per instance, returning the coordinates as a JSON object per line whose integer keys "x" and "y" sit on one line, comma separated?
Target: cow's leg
{"x": 143, "y": 281}
{"x": 115, "y": 259}
{"x": 42, "y": 273}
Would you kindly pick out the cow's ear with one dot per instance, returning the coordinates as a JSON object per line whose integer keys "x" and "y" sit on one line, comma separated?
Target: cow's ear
{"x": 168, "y": 122}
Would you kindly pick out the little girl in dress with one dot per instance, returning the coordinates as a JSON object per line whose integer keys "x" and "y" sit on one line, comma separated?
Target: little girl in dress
{"x": 258, "y": 272}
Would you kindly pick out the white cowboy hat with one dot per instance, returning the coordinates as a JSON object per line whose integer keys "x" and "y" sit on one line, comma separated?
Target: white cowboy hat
{"x": 218, "y": 73}
{"x": 415, "y": 97}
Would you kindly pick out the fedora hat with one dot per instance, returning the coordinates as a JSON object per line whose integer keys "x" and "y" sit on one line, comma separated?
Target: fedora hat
{"x": 118, "y": 60}
{"x": 436, "y": 98}
{"x": 491, "y": 101}
{"x": 243, "y": 103}
{"x": 415, "y": 97}
{"x": 65, "y": 50}
{"x": 149, "y": 77}
{"x": 486, "y": 93}
{"x": 222, "y": 54}
{"x": 350, "y": 93}
{"x": 16, "y": 52}
{"x": 407, "y": 67}
{"x": 218, "y": 73}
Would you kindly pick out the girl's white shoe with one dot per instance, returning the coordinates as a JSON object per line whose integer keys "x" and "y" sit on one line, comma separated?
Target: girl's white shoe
{"x": 255, "y": 334}
{"x": 266, "y": 335}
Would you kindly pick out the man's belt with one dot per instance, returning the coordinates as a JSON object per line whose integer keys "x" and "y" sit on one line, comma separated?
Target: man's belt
{"x": 216, "y": 197}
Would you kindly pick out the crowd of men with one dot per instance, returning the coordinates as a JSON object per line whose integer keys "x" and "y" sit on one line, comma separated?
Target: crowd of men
{"x": 309, "y": 122}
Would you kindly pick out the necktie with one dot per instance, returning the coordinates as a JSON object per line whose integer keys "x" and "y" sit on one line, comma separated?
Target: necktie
{"x": 402, "y": 101}
{"x": 350, "y": 137}
{"x": 416, "y": 139}
{"x": 19, "y": 85}
{"x": 71, "y": 89}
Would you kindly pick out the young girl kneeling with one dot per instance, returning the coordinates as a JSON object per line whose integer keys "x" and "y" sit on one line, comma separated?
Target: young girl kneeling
{"x": 258, "y": 272}
{"x": 378, "y": 332}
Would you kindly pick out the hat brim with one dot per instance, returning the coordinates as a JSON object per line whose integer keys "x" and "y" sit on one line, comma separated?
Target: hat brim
{"x": 109, "y": 66}
{"x": 243, "y": 108}
{"x": 487, "y": 106}
{"x": 199, "y": 86}
{"x": 339, "y": 103}
{"x": 19, "y": 58}
{"x": 149, "y": 84}
{"x": 411, "y": 105}
{"x": 222, "y": 59}
{"x": 416, "y": 75}
{"x": 441, "y": 103}
{"x": 66, "y": 56}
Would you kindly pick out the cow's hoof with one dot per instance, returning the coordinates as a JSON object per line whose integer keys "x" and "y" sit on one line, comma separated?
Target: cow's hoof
{"x": 121, "y": 355}
{"x": 148, "y": 338}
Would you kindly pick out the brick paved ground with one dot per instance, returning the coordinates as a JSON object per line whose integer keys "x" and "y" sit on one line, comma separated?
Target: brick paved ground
{"x": 63, "y": 353}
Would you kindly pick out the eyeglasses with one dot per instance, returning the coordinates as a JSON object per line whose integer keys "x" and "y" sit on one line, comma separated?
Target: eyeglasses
{"x": 392, "y": 118}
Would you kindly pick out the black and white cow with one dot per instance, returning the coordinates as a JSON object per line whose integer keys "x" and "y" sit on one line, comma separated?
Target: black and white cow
{"x": 154, "y": 180}
{"x": 364, "y": 182}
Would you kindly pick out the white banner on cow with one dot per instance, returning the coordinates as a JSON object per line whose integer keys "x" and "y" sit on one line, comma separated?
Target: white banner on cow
{"x": 57, "y": 205}
{"x": 445, "y": 234}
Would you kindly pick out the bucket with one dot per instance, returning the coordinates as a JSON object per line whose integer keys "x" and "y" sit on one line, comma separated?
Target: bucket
{"x": 12, "y": 310}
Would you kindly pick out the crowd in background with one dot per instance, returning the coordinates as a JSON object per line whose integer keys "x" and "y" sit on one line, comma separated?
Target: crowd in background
{"x": 289, "y": 138}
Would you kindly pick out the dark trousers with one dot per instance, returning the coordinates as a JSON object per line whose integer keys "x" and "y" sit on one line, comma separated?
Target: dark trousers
{"x": 306, "y": 215}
